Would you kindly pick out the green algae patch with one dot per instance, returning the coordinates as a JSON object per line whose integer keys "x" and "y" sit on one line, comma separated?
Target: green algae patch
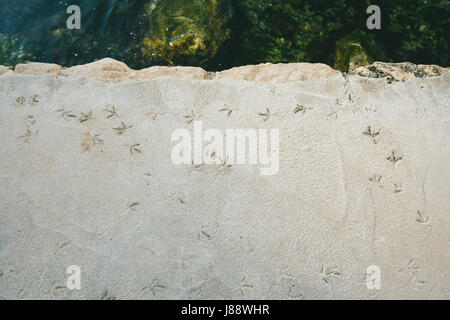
{"x": 185, "y": 32}
{"x": 350, "y": 54}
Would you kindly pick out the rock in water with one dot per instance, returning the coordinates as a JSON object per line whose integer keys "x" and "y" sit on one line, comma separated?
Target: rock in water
{"x": 186, "y": 32}
{"x": 87, "y": 179}
{"x": 350, "y": 53}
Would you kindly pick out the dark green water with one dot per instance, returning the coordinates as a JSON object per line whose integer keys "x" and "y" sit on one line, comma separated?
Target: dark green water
{"x": 218, "y": 34}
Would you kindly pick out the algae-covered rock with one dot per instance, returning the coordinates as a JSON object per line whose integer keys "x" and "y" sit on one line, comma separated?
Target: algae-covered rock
{"x": 399, "y": 71}
{"x": 350, "y": 54}
{"x": 185, "y": 31}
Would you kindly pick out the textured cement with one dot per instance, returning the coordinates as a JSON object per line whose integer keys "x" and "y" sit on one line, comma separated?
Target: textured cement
{"x": 86, "y": 178}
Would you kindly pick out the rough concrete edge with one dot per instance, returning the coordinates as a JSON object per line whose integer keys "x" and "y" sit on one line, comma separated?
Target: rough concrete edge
{"x": 6, "y": 70}
{"x": 111, "y": 70}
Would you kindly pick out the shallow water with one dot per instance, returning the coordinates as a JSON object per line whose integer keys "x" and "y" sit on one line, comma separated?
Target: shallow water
{"x": 36, "y": 31}
{"x": 257, "y": 31}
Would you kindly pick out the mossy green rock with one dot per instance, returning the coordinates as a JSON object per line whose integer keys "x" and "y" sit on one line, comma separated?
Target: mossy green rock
{"x": 185, "y": 32}
{"x": 350, "y": 54}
